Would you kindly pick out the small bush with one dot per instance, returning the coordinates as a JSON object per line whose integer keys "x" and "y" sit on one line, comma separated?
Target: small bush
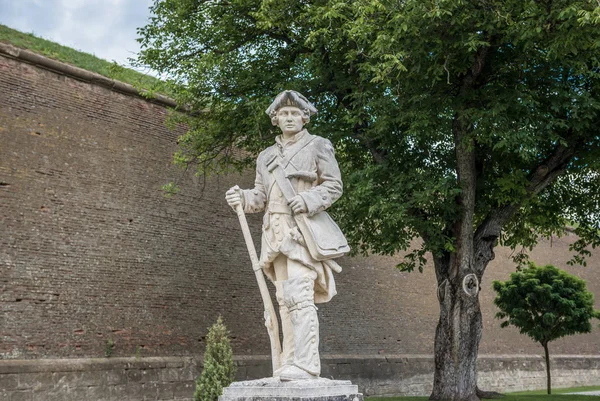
{"x": 219, "y": 370}
{"x": 108, "y": 349}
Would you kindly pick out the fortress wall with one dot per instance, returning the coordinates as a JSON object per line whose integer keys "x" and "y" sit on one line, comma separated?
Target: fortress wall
{"x": 172, "y": 378}
{"x": 92, "y": 252}
{"x": 90, "y": 249}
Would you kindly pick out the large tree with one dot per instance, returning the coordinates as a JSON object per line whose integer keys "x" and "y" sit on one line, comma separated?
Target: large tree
{"x": 463, "y": 123}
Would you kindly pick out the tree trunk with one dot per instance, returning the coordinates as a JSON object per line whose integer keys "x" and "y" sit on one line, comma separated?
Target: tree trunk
{"x": 458, "y": 274}
{"x": 548, "y": 377}
{"x": 457, "y": 335}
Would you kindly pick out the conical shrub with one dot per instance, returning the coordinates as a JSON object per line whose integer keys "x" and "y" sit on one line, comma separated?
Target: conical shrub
{"x": 219, "y": 369}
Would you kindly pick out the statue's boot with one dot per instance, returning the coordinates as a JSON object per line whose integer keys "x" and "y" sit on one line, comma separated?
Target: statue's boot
{"x": 287, "y": 347}
{"x": 299, "y": 299}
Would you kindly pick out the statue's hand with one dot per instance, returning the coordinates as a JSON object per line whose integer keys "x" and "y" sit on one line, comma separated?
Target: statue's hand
{"x": 298, "y": 205}
{"x": 234, "y": 196}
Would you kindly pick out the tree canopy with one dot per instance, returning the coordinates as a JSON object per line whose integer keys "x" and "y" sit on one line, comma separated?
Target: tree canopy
{"x": 390, "y": 80}
{"x": 545, "y": 303}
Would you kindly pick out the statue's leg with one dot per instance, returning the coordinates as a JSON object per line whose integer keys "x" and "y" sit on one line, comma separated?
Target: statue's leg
{"x": 298, "y": 293}
{"x": 287, "y": 346}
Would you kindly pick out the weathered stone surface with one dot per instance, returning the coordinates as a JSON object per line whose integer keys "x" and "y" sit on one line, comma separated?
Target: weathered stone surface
{"x": 350, "y": 397}
{"x": 184, "y": 389}
{"x": 271, "y": 389}
{"x": 374, "y": 376}
{"x": 118, "y": 379}
{"x": 9, "y": 382}
{"x": 36, "y": 381}
{"x": 169, "y": 375}
{"x": 166, "y": 391}
{"x": 90, "y": 364}
{"x": 20, "y": 396}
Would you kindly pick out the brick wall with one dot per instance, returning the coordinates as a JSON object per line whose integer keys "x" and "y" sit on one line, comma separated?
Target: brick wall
{"x": 90, "y": 249}
{"x": 92, "y": 252}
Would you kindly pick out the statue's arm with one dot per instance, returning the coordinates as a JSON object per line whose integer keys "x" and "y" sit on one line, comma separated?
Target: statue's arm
{"x": 254, "y": 200}
{"x": 329, "y": 182}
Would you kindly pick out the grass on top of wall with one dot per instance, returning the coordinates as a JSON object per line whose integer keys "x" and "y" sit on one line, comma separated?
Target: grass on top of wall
{"x": 77, "y": 58}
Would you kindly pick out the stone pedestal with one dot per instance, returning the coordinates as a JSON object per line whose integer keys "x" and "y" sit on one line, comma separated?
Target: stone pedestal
{"x": 272, "y": 389}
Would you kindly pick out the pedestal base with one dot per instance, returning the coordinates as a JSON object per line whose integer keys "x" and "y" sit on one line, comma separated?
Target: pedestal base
{"x": 272, "y": 389}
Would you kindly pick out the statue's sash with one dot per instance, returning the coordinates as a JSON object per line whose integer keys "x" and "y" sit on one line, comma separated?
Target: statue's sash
{"x": 322, "y": 235}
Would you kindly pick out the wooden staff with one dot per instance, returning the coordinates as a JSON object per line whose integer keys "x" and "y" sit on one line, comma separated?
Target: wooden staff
{"x": 270, "y": 317}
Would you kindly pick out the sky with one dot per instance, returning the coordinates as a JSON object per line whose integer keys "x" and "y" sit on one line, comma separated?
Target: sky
{"x": 105, "y": 28}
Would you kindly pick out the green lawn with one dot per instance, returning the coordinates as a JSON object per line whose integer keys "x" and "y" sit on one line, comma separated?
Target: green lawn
{"x": 508, "y": 397}
{"x": 561, "y": 391}
{"x": 77, "y": 58}
{"x": 538, "y": 395}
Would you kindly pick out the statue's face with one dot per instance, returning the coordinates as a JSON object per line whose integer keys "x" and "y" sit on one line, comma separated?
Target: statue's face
{"x": 289, "y": 120}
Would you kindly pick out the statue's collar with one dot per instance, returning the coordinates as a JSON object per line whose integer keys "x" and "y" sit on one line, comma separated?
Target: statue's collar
{"x": 288, "y": 150}
{"x": 300, "y": 137}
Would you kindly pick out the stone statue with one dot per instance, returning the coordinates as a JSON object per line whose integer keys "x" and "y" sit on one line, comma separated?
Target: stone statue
{"x": 297, "y": 178}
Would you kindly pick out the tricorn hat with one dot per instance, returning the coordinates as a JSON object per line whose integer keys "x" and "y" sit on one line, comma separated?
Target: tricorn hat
{"x": 291, "y": 98}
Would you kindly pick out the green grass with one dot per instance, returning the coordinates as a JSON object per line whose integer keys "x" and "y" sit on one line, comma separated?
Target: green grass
{"x": 537, "y": 395}
{"x": 508, "y": 397}
{"x": 562, "y": 390}
{"x": 77, "y": 58}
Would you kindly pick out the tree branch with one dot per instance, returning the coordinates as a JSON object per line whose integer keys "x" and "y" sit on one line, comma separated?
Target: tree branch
{"x": 358, "y": 129}
{"x": 470, "y": 80}
{"x": 466, "y": 171}
{"x": 466, "y": 174}
{"x": 543, "y": 175}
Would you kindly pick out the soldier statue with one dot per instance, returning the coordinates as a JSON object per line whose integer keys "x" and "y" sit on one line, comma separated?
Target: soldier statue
{"x": 297, "y": 179}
